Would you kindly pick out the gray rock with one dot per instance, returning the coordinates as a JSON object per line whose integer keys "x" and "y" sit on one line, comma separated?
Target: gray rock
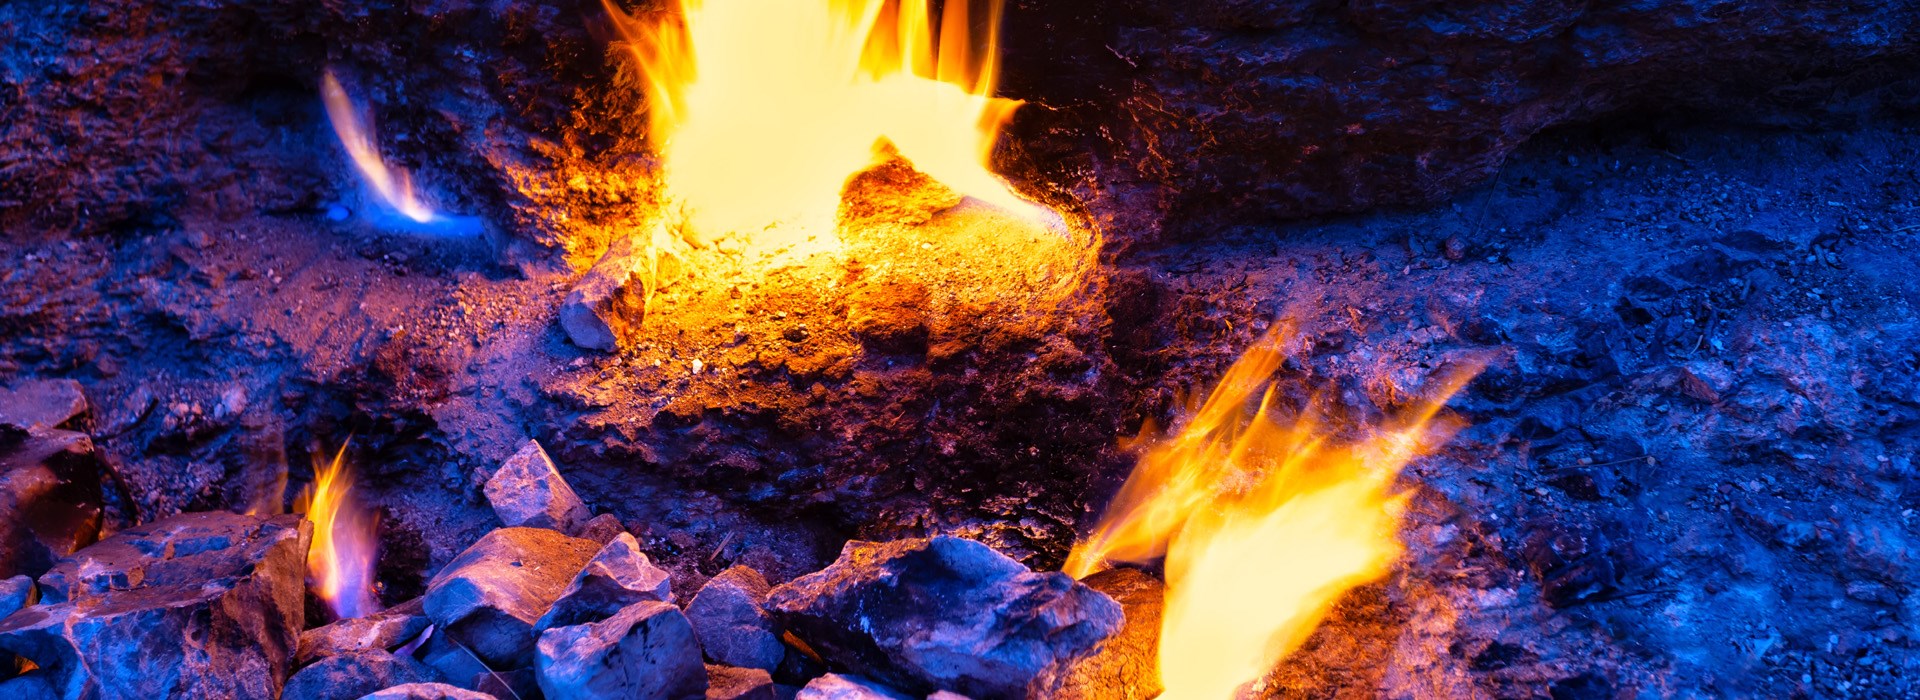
{"x": 730, "y": 620}
{"x": 490, "y": 596}
{"x": 646, "y": 652}
{"x": 427, "y": 691}
{"x": 618, "y": 576}
{"x": 41, "y": 403}
{"x": 527, "y": 491}
{"x": 203, "y": 605}
{"x": 731, "y": 683}
{"x": 834, "y": 686}
{"x": 946, "y": 613}
{"x": 354, "y": 674}
{"x": 15, "y": 593}
{"x": 602, "y": 528}
{"x": 386, "y": 630}
{"x": 1127, "y": 667}
{"x": 49, "y": 498}
{"x": 605, "y": 308}
{"x": 452, "y": 661}
{"x": 518, "y": 684}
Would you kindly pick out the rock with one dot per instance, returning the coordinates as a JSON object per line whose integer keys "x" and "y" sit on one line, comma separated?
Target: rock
{"x": 646, "y": 652}
{"x": 605, "y": 308}
{"x": 999, "y": 630}
{"x": 385, "y": 630}
{"x": 452, "y": 661}
{"x": 834, "y": 686}
{"x": 354, "y": 674}
{"x": 527, "y": 491}
{"x": 42, "y": 403}
{"x": 15, "y": 593}
{"x": 49, "y": 498}
{"x": 427, "y": 691}
{"x": 202, "y": 605}
{"x": 1127, "y": 666}
{"x": 731, "y": 683}
{"x": 490, "y": 596}
{"x": 602, "y": 528}
{"x": 517, "y": 684}
{"x": 733, "y": 627}
{"x": 619, "y": 576}
{"x": 946, "y": 695}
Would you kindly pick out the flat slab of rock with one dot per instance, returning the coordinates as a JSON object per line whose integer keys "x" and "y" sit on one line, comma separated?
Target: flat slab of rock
{"x": 946, "y": 614}
{"x": 427, "y": 691}
{"x": 732, "y": 623}
{"x": 527, "y": 491}
{"x": 354, "y": 674}
{"x": 41, "y": 403}
{"x": 646, "y": 652}
{"x": 49, "y": 498}
{"x": 732, "y": 683}
{"x": 618, "y": 576}
{"x": 1127, "y": 667}
{"x": 490, "y": 596}
{"x": 386, "y": 630}
{"x": 202, "y": 605}
{"x": 834, "y": 686}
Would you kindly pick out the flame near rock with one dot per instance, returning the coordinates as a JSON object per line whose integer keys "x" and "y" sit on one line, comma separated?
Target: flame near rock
{"x": 1263, "y": 523}
{"x": 345, "y": 540}
{"x": 761, "y": 111}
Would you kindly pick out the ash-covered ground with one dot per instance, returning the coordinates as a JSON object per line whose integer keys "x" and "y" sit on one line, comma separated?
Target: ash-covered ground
{"x": 1689, "y": 469}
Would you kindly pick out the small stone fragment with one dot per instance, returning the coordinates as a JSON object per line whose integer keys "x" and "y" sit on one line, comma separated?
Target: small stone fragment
{"x": 490, "y": 596}
{"x": 1127, "y": 667}
{"x": 605, "y": 308}
{"x": 602, "y": 528}
{"x": 387, "y": 630}
{"x": 427, "y": 691}
{"x": 834, "y": 686}
{"x": 999, "y": 630}
{"x": 646, "y": 652}
{"x": 527, "y": 491}
{"x": 215, "y": 599}
{"x": 731, "y": 683}
{"x": 618, "y": 576}
{"x": 354, "y": 674}
{"x": 729, "y": 618}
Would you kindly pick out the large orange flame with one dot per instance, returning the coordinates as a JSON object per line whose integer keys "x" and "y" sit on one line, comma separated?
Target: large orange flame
{"x": 393, "y": 185}
{"x": 1263, "y": 523}
{"x": 762, "y": 110}
{"x": 345, "y": 540}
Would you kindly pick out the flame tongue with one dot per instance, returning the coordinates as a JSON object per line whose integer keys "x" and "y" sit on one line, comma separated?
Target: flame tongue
{"x": 762, "y": 110}
{"x": 393, "y": 185}
{"x": 1263, "y": 525}
{"x": 341, "y": 559}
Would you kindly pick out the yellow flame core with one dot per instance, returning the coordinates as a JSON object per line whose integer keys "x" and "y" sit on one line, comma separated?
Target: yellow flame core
{"x": 1263, "y": 524}
{"x": 345, "y": 540}
{"x": 761, "y": 110}
{"x": 393, "y": 185}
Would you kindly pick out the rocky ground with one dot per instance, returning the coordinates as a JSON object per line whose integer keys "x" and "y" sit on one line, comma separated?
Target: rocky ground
{"x": 1688, "y": 472}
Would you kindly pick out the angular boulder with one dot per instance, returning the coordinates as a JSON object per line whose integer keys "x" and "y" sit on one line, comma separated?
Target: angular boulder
{"x": 1127, "y": 667}
{"x": 732, "y": 623}
{"x": 618, "y": 576}
{"x": 946, "y": 614}
{"x": 488, "y": 598}
{"x": 646, "y": 652}
{"x": 427, "y": 691}
{"x": 354, "y": 674}
{"x": 386, "y": 630}
{"x": 49, "y": 497}
{"x": 731, "y": 683}
{"x": 15, "y": 593}
{"x": 527, "y": 491}
{"x": 41, "y": 403}
{"x": 834, "y": 686}
{"x": 202, "y": 605}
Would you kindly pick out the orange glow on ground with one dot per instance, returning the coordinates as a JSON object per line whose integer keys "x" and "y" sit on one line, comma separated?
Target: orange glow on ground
{"x": 1264, "y": 522}
{"x": 345, "y": 540}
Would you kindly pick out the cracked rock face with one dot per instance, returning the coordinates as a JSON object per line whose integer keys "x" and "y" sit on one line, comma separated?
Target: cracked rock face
{"x": 730, "y": 618}
{"x": 646, "y": 652}
{"x": 946, "y": 614}
{"x": 205, "y": 605}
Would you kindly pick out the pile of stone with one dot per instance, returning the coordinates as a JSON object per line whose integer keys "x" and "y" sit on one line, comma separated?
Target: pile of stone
{"x": 559, "y": 605}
